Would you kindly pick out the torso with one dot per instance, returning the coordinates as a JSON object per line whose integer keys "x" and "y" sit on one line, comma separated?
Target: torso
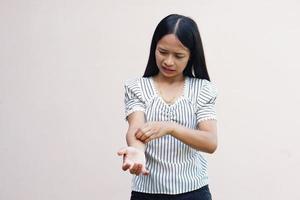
{"x": 174, "y": 166}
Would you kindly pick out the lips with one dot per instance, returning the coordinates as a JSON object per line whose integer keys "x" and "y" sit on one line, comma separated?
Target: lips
{"x": 168, "y": 70}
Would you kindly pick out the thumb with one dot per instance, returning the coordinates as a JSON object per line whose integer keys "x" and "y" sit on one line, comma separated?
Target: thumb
{"x": 122, "y": 151}
{"x": 145, "y": 172}
{"x": 137, "y": 130}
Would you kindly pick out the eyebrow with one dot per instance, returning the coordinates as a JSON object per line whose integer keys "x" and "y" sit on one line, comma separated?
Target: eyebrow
{"x": 178, "y": 53}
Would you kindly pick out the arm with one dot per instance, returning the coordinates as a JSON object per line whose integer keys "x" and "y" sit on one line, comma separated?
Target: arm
{"x": 204, "y": 138}
{"x": 135, "y": 121}
{"x": 133, "y": 155}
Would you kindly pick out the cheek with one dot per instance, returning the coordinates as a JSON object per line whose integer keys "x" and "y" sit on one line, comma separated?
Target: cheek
{"x": 158, "y": 58}
{"x": 183, "y": 62}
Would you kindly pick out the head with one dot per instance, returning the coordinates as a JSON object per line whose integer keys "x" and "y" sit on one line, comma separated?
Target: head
{"x": 176, "y": 41}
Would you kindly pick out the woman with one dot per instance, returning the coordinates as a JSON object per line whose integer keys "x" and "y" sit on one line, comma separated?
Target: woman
{"x": 171, "y": 116}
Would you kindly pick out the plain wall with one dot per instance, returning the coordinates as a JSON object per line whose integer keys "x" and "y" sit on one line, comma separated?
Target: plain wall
{"x": 62, "y": 68}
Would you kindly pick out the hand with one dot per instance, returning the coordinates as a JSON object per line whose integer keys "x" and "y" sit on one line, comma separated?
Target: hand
{"x": 134, "y": 160}
{"x": 153, "y": 130}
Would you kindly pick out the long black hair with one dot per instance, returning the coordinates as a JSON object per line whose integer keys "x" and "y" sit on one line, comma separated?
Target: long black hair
{"x": 186, "y": 30}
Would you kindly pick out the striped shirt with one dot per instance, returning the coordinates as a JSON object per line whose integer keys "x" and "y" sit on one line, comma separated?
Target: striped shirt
{"x": 174, "y": 166}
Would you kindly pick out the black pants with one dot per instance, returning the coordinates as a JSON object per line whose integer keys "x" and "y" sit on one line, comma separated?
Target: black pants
{"x": 200, "y": 194}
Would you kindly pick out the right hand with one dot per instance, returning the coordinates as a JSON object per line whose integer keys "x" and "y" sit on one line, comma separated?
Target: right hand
{"x": 133, "y": 160}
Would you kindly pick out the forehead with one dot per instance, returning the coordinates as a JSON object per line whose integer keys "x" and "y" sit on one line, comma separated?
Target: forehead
{"x": 171, "y": 43}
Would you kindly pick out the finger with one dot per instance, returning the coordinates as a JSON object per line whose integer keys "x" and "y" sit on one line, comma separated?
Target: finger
{"x": 126, "y": 163}
{"x": 133, "y": 169}
{"x": 146, "y": 128}
{"x": 122, "y": 151}
{"x": 152, "y": 137}
{"x": 143, "y": 128}
{"x": 139, "y": 133}
{"x": 126, "y": 166}
{"x": 146, "y": 135}
{"x": 137, "y": 130}
{"x": 139, "y": 169}
{"x": 145, "y": 172}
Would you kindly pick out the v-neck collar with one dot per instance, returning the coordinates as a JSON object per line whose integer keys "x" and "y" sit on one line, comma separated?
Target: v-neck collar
{"x": 178, "y": 99}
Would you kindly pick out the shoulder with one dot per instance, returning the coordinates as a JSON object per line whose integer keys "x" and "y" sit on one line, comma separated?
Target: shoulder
{"x": 132, "y": 81}
{"x": 135, "y": 80}
{"x": 200, "y": 84}
{"x": 136, "y": 85}
{"x": 203, "y": 86}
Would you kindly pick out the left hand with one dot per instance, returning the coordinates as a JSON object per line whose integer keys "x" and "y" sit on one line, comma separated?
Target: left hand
{"x": 153, "y": 130}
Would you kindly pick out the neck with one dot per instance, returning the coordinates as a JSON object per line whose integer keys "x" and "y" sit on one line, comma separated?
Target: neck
{"x": 170, "y": 80}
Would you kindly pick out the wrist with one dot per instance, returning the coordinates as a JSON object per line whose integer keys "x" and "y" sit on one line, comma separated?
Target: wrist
{"x": 171, "y": 128}
{"x": 138, "y": 148}
{"x": 137, "y": 144}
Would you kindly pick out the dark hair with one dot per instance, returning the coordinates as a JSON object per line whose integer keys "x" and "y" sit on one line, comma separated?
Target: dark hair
{"x": 186, "y": 30}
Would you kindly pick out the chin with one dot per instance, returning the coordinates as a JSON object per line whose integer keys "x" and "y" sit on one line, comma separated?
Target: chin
{"x": 169, "y": 75}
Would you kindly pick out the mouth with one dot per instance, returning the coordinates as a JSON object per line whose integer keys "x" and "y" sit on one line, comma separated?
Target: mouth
{"x": 168, "y": 70}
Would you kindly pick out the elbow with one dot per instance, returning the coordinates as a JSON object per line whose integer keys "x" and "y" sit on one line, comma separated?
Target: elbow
{"x": 212, "y": 147}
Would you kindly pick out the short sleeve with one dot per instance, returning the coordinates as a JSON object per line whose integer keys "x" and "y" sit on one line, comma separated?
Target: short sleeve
{"x": 206, "y": 102}
{"x": 133, "y": 97}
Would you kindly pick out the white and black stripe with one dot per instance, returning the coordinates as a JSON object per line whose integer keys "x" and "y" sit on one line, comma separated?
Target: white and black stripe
{"x": 174, "y": 166}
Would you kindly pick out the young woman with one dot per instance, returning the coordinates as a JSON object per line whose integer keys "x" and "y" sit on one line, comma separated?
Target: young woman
{"x": 171, "y": 116}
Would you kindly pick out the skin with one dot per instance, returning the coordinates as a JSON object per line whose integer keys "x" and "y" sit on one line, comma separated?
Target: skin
{"x": 171, "y": 58}
{"x": 133, "y": 156}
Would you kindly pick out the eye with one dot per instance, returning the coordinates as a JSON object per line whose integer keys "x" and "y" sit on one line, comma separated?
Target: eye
{"x": 162, "y": 52}
{"x": 179, "y": 57}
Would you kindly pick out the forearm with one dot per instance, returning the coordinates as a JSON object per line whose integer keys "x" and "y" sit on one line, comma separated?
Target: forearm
{"x": 200, "y": 140}
{"x": 132, "y": 140}
{"x": 136, "y": 120}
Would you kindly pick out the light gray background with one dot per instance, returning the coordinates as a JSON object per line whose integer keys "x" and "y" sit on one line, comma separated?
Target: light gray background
{"x": 62, "y": 68}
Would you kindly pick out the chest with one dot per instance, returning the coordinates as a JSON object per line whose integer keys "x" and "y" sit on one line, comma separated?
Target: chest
{"x": 182, "y": 111}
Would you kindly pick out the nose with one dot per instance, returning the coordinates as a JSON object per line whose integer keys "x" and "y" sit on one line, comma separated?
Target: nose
{"x": 169, "y": 61}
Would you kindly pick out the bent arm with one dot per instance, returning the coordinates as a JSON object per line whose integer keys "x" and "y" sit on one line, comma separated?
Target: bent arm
{"x": 203, "y": 139}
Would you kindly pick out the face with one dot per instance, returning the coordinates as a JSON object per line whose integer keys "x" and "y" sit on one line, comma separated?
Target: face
{"x": 171, "y": 56}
